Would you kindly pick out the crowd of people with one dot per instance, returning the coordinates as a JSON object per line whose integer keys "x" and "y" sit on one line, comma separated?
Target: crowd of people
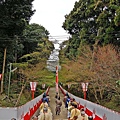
{"x": 45, "y": 111}
{"x": 73, "y": 113}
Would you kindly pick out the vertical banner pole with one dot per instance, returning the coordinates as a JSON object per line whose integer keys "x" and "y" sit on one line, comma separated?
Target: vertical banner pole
{"x": 56, "y": 78}
{"x": 85, "y": 95}
{"x": 33, "y": 88}
{"x": 84, "y": 87}
{"x": 33, "y": 94}
{"x": 85, "y": 92}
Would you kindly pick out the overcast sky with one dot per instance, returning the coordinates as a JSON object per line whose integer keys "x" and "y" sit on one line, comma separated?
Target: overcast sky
{"x": 50, "y": 14}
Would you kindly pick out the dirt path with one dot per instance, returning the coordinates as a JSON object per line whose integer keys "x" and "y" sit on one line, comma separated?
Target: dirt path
{"x": 63, "y": 114}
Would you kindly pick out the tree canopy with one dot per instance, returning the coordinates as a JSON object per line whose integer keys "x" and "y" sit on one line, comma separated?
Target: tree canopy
{"x": 16, "y": 34}
{"x": 14, "y": 16}
{"x": 91, "y": 21}
{"x": 32, "y": 35}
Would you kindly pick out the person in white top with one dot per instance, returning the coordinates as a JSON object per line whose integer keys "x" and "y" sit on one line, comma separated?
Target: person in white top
{"x": 82, "y": 116}
{"x": 45, "y": 115}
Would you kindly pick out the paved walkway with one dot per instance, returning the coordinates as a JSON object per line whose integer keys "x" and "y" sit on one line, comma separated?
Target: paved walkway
{"x": 63, "y": 114}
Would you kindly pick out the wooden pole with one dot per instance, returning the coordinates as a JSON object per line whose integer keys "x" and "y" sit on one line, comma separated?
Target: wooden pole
{"x": 3, "y": 70}
{"x": 9, "y": 80}
{"x": 23, "y": 87}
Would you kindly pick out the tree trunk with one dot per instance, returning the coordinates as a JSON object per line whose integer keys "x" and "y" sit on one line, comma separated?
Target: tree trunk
{"x": 23, "y": 87}
{"x": 3, "y": 71}
{"x": 95, "y": 94}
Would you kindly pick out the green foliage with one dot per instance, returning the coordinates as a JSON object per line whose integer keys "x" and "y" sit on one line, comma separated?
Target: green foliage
{"x": 92, "y": 21}
{"x": 24, "y": 98}
{"x": 23, "y": 65}
{"x": 14, "y": 16}
{"x": 113, "y": 104}
{"x": 33, "y": 61}
{"x": 6, "y": 104}
{"x": 33, "y": 35}
{"x": 118, "y": 82}
{"x": 25, "y": 58}
{"x": 17, "y": 35}
{"x": 117, "y": 17}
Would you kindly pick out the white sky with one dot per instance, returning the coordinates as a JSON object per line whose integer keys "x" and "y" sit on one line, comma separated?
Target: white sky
{"x": 50, "y": 14}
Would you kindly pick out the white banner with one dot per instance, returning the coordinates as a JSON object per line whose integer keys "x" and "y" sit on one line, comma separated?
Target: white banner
{"x": 84, "y": 86}
{"x": 0, "y": 76}
{"x": 43, "y": 86}
{"x": 33, "y": 86}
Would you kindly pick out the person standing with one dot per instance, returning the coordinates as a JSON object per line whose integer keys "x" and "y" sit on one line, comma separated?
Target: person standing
{"x": 65, "y": 99}
{"x": 43, "y": 104}
{"x": 74, "y": 101}
{"x": 45, "y": 98}
{"x": 70, "y": 107}
{"x": 56, "y": 96}
{"x": 58, "y": 106}
{"x": 45, "y": 115}
{"x": 48, "y": 97}
{"x": 82, "y": 116}
{"x": 75, "y": 112}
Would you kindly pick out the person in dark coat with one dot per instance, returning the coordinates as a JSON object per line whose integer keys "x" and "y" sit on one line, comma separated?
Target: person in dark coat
{"x": 56, "y": 96}
{"x": 45, "y": 98}
{"x": 67, "y": 101}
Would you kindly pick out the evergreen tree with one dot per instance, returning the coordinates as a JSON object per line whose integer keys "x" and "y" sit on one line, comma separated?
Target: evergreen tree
{"x": 14, "y": 15}
{"x": 93, "y": 21}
